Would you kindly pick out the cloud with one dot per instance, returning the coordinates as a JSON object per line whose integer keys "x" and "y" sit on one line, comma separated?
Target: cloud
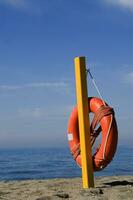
{"x": 27, "y": 6}
{"x": 14, "y": 3}
{"x": 122, "y": 3}
{"x": 47, "y": 113}
{"x": 35, "y": 112}
{"x": 129, "y": 78}
{"x": 59, "y": 84}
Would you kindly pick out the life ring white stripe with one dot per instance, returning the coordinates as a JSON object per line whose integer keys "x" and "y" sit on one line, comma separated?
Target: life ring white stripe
{"x": 70, "y": 137}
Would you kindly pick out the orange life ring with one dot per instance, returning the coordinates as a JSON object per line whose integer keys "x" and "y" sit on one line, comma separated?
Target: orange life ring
{"x": 104, "y": 115}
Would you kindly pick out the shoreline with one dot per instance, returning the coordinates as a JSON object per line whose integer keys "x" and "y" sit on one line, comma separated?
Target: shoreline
{"x": 106, "y": 188}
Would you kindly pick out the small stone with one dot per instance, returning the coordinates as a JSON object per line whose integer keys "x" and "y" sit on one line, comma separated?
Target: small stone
{"x": 100, "y": 191}
{"x": 62, "y": 195}
{"x": 96, "y": 191}
{"x": 45, "y": 198}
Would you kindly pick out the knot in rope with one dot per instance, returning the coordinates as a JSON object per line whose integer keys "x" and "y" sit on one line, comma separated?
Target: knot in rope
{"x": 101, "y": 112}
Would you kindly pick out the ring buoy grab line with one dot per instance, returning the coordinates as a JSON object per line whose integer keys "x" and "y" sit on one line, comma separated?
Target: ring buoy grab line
{"x": 104, "y": 116}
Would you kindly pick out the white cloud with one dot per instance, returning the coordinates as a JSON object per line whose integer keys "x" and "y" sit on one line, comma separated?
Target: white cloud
{"x": 60, "y": 84}
{"x": 24, "y": 5}
{"x": 14, "y": 3}
{"x": 47, "y": 113}
{"x": 129, "y": 77}
{"x": 35, "y": 112}
{"x": 123, "y": 3}
{"x": 47, "y": 84}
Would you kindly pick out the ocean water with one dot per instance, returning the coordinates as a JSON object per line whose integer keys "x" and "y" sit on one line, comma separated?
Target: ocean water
{"x": 47, "y": 163}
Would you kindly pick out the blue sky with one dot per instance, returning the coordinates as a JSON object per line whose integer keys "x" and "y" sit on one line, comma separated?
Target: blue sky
{"x": 38, "y": 42}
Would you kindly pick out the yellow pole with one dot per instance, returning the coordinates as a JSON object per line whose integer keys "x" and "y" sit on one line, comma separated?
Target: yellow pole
{"x": 84, "y": 124}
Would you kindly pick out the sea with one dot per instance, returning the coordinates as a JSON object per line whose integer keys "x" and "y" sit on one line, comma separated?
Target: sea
{"x": 49, "y": 163}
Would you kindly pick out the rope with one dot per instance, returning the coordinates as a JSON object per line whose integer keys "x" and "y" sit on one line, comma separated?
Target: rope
{"x": 95, "y": 85}
{"x": 107, "y": 136}
{"x": 102, "y": 112}
{"x": 75, "y": 151}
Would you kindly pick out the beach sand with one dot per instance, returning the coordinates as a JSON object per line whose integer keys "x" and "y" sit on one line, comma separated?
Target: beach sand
{"x": 106, "y": 188}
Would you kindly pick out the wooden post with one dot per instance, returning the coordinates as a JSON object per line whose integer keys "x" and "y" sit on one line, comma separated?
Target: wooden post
{"x": 84, "y": 124}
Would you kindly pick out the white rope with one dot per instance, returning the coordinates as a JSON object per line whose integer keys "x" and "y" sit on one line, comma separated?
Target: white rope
{"x": 107, "y": 136}
{"x": 111, "y": 121}
{"x": 95, "y": 85}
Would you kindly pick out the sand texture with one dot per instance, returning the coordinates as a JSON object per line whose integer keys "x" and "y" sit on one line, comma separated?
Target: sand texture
{"x": 106, "y": 188}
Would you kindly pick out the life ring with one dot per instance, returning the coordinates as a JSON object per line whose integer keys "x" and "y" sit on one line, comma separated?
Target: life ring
{"x": 104, "y": 115}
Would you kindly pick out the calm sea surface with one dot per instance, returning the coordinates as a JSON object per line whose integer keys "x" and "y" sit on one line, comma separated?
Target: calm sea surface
{"x": 22, "y": 164}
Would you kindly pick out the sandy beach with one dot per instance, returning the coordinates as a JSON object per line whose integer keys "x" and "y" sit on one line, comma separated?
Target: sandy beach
{"x": 106, "y": 188}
